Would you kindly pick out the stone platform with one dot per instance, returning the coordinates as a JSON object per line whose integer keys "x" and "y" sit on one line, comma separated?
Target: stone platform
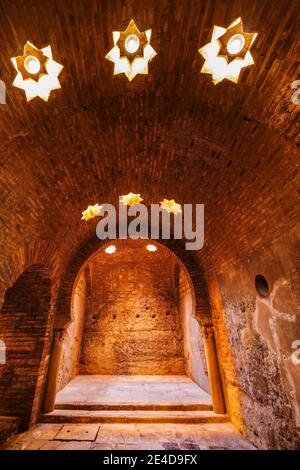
{"x": 143, "y": 392}
{"x": 132, "y": 399}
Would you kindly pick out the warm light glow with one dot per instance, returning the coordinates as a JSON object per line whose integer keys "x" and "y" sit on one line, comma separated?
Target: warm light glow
{"x": 132, "y": 43}
{"x": 32, "y": 64}
{"x": 228, "y": 52}
{"x": 131, "y": 199}
{"x": 131, "y": 52}
{"x": 37, "y": 72}
{"x": 91, "y": 212}
{"x": 110, "y": 249}
{"x": 236, "y": 44}
{"x": 151, "y": 248}
{"x": 171, "y": 206}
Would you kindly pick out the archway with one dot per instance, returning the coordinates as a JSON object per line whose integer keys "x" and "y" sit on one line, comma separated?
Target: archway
{"x": 23, "y": 330}
{"x": 135, "y": 313}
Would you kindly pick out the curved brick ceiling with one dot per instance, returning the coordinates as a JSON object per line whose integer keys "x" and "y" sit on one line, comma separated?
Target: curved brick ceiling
{"x": 169, "y": 134}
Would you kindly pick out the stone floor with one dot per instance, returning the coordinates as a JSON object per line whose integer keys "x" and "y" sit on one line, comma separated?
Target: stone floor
{"x": 129, "y": 437}
{"x": 139, "y": 390}
{"x": 131, "y": 394}
{"x": 8, "y": 426}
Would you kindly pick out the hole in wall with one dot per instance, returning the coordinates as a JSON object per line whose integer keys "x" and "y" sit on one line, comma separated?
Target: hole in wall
{"x": 122, "y": 350}
{"x": 261, "y": 285}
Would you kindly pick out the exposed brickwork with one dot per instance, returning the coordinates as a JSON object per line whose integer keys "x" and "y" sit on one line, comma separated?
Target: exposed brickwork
{"x": 134, "y": 311}
{"x": 23, "y": 326}
{"x": 187, "y": 259}
{"x": 169, "y": 134}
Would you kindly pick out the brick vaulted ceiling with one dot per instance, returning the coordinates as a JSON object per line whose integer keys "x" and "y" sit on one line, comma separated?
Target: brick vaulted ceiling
{"x": 172, "y": 133}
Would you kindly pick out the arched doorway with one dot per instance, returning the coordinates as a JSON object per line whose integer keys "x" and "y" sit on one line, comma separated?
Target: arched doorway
{"x": 23, "y": 330}
{"x": 132, "y": 314}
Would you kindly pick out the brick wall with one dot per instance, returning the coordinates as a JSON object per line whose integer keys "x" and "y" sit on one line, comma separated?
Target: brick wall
{"x": 133, "y": 326}
{"x": 255, "y": 336}
{"x": 24, "y": 327}
{"x": 168, "y": 134}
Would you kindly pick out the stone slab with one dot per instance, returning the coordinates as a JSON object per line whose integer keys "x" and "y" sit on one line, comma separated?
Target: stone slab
{"x": 77, "y": 432}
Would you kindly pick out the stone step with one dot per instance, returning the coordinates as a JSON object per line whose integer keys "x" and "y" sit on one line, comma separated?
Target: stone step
{"x": 132, "y": 416}
{"x": 135, "y": 406}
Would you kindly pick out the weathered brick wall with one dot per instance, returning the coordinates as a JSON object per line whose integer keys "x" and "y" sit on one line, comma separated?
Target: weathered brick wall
{"x": 171, "y": 133}
{"x": 134, "y": 325}
{"x": 256, "y": 333}
{"x": 24, "y": 328}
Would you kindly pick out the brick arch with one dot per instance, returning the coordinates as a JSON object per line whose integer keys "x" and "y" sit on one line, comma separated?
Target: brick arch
{"x": 25, "y": 329}
{"x": 186, "y": 259}
{"x": 36, "y": 253}
{"x": 39, "y": 260}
